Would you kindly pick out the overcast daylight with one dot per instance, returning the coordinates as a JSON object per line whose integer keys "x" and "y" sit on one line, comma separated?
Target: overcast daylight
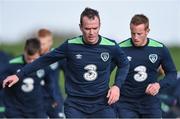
{"x": 90, "y": 59}
{"x": 19, "y": 18}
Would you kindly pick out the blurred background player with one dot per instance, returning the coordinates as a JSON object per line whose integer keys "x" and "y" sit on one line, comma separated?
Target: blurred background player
{"x": 4, "y": 59}
{"x": 138, "y": 93}
{"x": 53, "y": 105}
{"x": 176, "y": 108}
{"x": 170, "y": 100}
{"x": 25, "y": 99}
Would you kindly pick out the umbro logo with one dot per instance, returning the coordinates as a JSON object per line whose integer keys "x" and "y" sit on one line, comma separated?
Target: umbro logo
{"x": 129, "y": 58}
{"x": 78, "y": 56}
{"x": 18, "y": 70}
{"x": 54, "y": 66}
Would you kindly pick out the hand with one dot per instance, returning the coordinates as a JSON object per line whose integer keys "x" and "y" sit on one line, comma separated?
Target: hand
{"x": 113, "y": 94}
{"x": 10, "y": 81}
{"x": 152, "y": 89}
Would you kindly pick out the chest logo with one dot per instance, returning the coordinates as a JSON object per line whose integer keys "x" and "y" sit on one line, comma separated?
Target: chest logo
{"x": 18, "y": 70}
{"x": 153, "y": 57}
{"x": 129, "y": 58}
{"x": 40, "y": 73}
{"x": 105, "y": 56}
{"x": 78, "y": 56}
{"x": 54, "y": 66}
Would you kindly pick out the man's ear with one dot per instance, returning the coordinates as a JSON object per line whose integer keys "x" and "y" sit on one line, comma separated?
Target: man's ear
{"x": 80, "y": 26}
{"x": 147, "y": 31}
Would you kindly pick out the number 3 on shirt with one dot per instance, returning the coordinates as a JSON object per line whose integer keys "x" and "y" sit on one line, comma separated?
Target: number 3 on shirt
{"x": 28, "y": 85}
{"x": 91, "y": 73}
{"x": 141, "y": 74}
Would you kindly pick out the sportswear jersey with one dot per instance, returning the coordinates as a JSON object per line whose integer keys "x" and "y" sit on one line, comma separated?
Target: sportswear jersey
{"x": 144, "y": 64}
{"x": 26, "y": 95}
{"x": 54, "y": 75}
{"x": 4, "y": 58}
{"x": 55, "y": 96}
{"x": 88, "y": 68}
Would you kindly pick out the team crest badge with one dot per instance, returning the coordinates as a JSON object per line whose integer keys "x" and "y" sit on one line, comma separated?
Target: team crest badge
{"x": 105, "y": 56}
{"x": 40, "y": 73}
{"x": 153, "y": 58}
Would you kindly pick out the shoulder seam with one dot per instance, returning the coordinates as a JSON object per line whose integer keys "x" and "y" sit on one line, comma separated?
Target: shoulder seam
{"x": 107, "y": 41}
{"x": 126, "y": 43}
{"x": 154, "y": 43}
{"x": 76, "y": 40}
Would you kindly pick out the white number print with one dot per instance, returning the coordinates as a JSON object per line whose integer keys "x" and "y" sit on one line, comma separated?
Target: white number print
{"x": 141, "y": 74}
{"x": 91, "y": 73}
{"x": 27, "y": 85}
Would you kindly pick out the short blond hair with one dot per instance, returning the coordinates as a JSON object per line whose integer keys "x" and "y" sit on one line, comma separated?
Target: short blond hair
{"x": 44, "y": 32}
{"x": 140, "y": 19}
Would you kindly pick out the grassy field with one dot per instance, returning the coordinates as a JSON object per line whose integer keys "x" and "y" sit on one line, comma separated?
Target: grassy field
{"x": 175, "y": 52}
{"x": 17, "y": 49}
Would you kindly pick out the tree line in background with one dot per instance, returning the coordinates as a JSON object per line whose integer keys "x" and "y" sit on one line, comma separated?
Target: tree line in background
{"x": 17, "y": 48}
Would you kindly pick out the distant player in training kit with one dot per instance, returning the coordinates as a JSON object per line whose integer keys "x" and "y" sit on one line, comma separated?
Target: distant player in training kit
{"x": 4, "y": 59}
{"x": 53, "y": 105}
{"x": 138, "y": 93}
{"x": 25, "y": 99}
{"x": 89, "y": 58}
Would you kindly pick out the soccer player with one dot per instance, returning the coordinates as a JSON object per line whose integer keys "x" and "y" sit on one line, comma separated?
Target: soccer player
{"x": 89, "y": 57}
{"x": 3, "y": 64}
{"x": 25, "y": 99}
{"x": 169, "y": 100}
{"x": 53, "y": 105}
{"x": 176, "y": 94}
{"x": 139, "y": 92}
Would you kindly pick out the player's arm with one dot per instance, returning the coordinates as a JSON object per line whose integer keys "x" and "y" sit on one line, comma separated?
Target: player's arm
{"x": 122, "y": 63}
{"x": 3, "y": 74}
{"x": 169, "y": 71}
{"x": 7, "y": 70}
{"x": 45, "y": 60}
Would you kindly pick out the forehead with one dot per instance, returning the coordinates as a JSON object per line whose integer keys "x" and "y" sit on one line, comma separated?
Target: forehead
{"x": 140, "y": 27}
{"x": 86, "y": 20}
{"x": 45, "y": 39}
